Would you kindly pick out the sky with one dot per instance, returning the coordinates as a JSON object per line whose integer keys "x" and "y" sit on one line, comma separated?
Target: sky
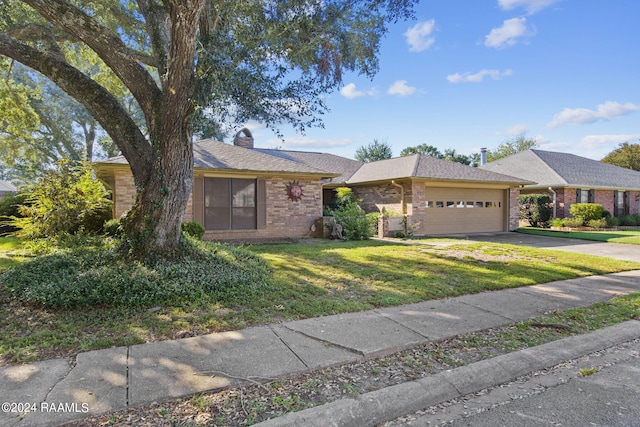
{"x": 467, "y": 74}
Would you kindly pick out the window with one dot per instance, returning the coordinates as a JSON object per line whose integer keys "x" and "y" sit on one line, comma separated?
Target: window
{"x": 585, "y": 196}
{"x": 479, "y": 204}
{"x": 429, "y": 204}
{"x": 229, "y": 204}
{"x": 439, "y": 204}
{"x": 621, "y": 203}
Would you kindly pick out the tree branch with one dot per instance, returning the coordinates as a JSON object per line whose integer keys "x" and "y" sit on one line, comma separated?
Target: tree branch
{"x": 102, "y": 105}
{"x": 109, "y": 47}
{"x": 158, "y": 29}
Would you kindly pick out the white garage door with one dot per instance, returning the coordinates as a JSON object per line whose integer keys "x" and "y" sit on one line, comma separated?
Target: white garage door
{"x": 464, "y": 210}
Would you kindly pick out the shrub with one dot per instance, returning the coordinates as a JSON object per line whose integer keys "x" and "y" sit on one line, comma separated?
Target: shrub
{"x": 556, "y": 222}
{"x": 629, "y": 220}
{"x": 372, "y": 218}
{"x": 65, "y": 201}
{"x": 99, "y": 275}
{"x": 536, "y": 209}
{"x": 9, "y": 209}
{"x": 587, "y": 211}
{"x": 112, "y": 228}
{"x": 193, "y": 229}
{"x": 613, "y": 221}
{"x": 573, "y": 222}
{"x": 597, "y": 223}
{"x": 354, "y": 221}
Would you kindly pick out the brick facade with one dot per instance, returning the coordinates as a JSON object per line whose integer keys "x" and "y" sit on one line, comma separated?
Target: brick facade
{"x": 376, "y": 197}
{"x": 284, "y": 218}
{"x": 565, "y": 197}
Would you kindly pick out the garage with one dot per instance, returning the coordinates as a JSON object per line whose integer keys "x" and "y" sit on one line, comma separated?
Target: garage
{"x": 465, "y": 210}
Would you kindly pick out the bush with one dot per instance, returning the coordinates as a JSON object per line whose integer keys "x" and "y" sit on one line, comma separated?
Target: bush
{"x": 65, "y": 201}
{"x": 587, "y": 211}
{"x": 354, "y": 221}
{"x": 556, "y": 222}
{"x": 193, "y": 229}
{"x": 597, "y": 223}
{"x": 536, "y": 209}
{"x": 573, "y": 222}
{"x": 99, "y": 275}
{"x": 112, "y": 228}
{"x": 9, "y": 209}
{"x": 629, "y": 220}
{"x": 372, "y": 218}
{"x": 613, "y": 221}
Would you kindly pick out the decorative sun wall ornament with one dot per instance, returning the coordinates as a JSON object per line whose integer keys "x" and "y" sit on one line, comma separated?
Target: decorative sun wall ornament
{"x": 294, "y": 191}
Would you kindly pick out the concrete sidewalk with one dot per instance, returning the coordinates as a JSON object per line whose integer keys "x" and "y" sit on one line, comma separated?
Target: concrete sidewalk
{"x": 107, "y": 380}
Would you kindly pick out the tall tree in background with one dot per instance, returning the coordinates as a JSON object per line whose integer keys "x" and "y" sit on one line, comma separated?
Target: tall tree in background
{"x": 515, "y": 145}
{"x": 188, "y": 61}
{"x": 59, "y": 128}
{"x": 626, "y": 156}
{"x": 377, "y": 150}
{"x": 423, "y": 149}
{"x": 449, "y": 154}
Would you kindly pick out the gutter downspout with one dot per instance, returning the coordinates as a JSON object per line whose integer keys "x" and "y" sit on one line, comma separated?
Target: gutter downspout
{"x": 554, "y": 202}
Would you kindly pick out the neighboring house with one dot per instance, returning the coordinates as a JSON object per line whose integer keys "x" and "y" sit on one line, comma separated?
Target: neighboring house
{"x": 243, "y": 193}
{"x": 6, "y": 188}
{"x": 570, "y": 179}
{"x": 441, "y": 197}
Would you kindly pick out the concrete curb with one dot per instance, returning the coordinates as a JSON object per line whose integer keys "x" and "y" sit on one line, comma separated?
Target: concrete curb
{"x": 386, "y": 404}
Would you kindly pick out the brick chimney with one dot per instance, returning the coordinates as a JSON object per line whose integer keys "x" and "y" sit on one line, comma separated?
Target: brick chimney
{"x": 243, "y": 138}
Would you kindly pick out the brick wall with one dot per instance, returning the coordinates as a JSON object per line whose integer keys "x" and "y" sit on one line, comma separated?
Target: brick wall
{"x": 418, "y": 209}
{"x": 124, "y": 192}
{"x": 565, "y": 197}
{"x": 376, "y": 197}
{"x": 284, "y": 218}
{"x": 514, "y": 208}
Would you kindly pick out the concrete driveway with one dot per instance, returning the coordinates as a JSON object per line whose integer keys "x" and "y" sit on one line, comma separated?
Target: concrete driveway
{"x": 611, "y": 250}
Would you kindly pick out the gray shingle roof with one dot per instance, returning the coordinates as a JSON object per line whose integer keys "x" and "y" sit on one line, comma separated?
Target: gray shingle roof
{"x": 553, "y": 169}
{"x": 426, "y": 167}
{"x": 7, "y": 187}
{"x": 323, "y": 161}
{"x": 210, "y": 154}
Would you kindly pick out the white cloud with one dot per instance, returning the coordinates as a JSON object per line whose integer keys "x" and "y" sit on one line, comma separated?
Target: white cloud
{"x": 401, "y": 88}
{"x": 507, "y": 34}
{"x": 478, "y": 77}
{"x": 516, "y": 130}
{"x": 349, "y": 91}
{"x": 532, "y": 6}
{"x": 419, "y": 37}
{"x": 305, "y": 142}
{"x": 578, "y": 116}
{"x": 591, "y": 142}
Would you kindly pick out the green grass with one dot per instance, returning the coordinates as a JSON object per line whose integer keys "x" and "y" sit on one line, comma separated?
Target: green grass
{"x": 9, "y": 256}
{"x": 309, "y": 279}
{"x": 631, "y": 237}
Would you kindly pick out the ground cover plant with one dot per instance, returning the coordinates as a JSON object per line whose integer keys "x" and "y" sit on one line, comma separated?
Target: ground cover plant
{"x": 307, "y": 280}
{"x": 252, "y": 403}
{"x": 613, "y": 236}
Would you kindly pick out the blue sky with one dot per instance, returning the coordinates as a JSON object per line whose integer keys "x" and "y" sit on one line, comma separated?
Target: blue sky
{"x": 471, "y": 74}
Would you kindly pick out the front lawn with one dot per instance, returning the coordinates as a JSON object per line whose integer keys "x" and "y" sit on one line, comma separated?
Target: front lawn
{"x": 613, "y": 236}
{"x": 309, "y": 279}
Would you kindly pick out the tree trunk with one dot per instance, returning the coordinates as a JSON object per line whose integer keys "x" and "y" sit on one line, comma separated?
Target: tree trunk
{"x": 153, "y": 225}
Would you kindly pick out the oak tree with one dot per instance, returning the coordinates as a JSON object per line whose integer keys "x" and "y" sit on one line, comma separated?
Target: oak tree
{"x": 204, "y": 63}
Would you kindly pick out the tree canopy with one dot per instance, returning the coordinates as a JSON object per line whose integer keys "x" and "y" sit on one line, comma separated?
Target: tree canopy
{"x": 512, "y": 146}
{"x": 626, "y": 156}
{"x": 192, "y": 64}
{"x": 377, "y": 150}
{"x": 449, "y": 154}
